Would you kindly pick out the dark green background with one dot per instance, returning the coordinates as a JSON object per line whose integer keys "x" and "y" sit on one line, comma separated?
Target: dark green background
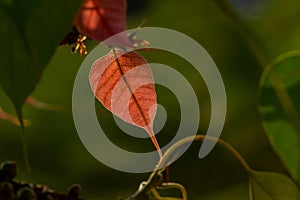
{"x": 58, "y": 158}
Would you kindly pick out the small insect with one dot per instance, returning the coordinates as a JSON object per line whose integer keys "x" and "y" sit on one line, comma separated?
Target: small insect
{"x": 75, "y": 37}
{"x": 80, "y": 45}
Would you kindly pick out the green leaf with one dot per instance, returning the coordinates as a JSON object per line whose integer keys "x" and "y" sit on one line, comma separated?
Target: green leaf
{"x": 30, "y": 32}
{"x": 272, "y": 186}
{"x": 280, "y": 108}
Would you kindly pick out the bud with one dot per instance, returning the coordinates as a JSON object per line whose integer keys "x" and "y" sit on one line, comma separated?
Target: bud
{"x": 74, "y": 190}
{"x": 26, "y": 193}
{"x": 8, "y": 170}
{"x": 6, "y": 191}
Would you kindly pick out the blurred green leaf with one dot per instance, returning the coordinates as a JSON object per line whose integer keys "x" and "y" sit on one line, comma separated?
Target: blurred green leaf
{"x": 272, "y": 186}
{"x": 30, "y": 32}
{"x": 280, "y": 108}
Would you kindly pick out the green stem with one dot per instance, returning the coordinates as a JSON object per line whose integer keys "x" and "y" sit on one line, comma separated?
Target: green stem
{"x": 189, "y": 139}
{"x": 25, "y": 148}
{"x": 156, "y": 177}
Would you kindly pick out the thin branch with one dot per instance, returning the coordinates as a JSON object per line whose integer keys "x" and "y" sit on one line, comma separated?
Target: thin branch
{"x": 189, "y": 139}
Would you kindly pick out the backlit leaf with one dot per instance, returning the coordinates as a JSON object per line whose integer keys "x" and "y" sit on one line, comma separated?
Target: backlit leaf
{"x": 125, "y": 86}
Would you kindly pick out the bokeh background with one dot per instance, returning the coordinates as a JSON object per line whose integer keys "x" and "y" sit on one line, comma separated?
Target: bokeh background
{"x": 58, "y": 158}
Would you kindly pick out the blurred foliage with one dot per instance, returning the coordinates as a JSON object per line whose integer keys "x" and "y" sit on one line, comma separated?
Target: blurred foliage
{"x": 58, "y": 157}
{"x": 280, "y": 108}
{"x": 268, "y": 186}
{"x": 32, "y": 31}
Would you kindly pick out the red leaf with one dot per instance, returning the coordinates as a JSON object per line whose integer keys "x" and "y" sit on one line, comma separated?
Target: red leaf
{"x": 125, "y": 86}
{"x": 101, "y": 19}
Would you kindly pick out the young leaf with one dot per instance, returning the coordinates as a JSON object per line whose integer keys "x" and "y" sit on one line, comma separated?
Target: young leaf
{"x": 125, "y": 86}
{"x": 101, "y": 19}
{"x": 272, "y": 186}
{"x": 280, "y": 109}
